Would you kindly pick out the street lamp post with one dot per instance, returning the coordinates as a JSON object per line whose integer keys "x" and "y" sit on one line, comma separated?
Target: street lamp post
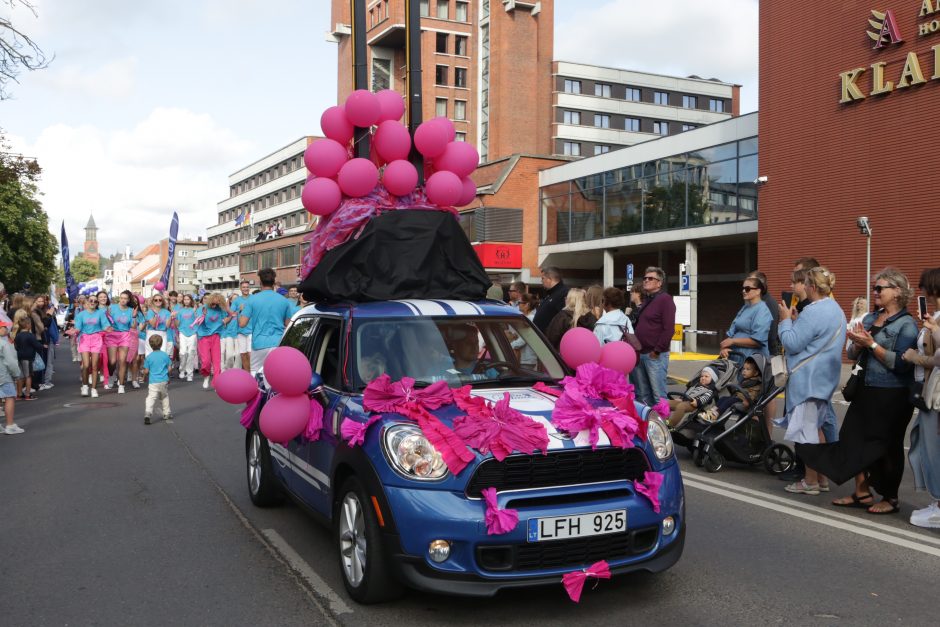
{"x": 864, "y": 226}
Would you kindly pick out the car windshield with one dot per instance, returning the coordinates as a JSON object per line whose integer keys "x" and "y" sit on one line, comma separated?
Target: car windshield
{"x": 459, "y": 350}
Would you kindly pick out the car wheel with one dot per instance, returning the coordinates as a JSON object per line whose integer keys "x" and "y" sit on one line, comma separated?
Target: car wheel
{"x": 714, "y": 461}
{"x": 778, "y": 459}
{"x": 362, "y": 559}
{"x": 263, "y": 487}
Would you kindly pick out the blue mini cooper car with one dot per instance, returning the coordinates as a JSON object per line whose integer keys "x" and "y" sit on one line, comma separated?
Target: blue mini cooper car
{"x": 401, "y": 518}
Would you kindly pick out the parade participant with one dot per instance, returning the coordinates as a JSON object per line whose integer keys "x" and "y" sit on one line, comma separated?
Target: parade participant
{"x": 9, "y": 371}
{"x": 243, "y": 340}
{"x": 73, "y": 310}
{"x": 211, "y": 319}
{"x": 231, "y": 358}
{"x": 27, "y": 347}
{"x": 185, "y": 317}
{"x": 655, "y": 327}
{"x": 158, "y": 319}
{"x": 104, "y": 303}
{"x": 91, "y": 324}
{"x": 172, "y": 331}
{"x": 750, "y": 328}
{"x": 141, "y": 327}
{"x": 268, "y": 314}
{"x": 157, "y": 371}
{"x": 123, "y": 317}
{"x": 553, "y": 300}
{"x": 294, "y": 297}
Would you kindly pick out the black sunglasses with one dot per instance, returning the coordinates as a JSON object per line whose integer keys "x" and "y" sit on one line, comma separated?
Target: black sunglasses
{"x": 651, "y": 278}
{"x": 877, "y": 289}
{"x": 748, "y": 288}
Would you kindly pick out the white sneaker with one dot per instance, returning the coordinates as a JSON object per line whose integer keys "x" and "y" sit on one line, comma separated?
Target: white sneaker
{"x": 205, "y": 383}
{"x": 44, "y": 386}
{"x": 189, "y": 378}
{"x": 94, "y": 393}
{"x": 32, "y": 390}
{"x": 135, "y": 385}
{"x": 928, "y": 517}
{"x": 84, "y": 390}
{"x": 107, "y": 386}
{"x": 13, "y": 429}
{"x": 120, "y": 389}
{"x": 182, "y": 376}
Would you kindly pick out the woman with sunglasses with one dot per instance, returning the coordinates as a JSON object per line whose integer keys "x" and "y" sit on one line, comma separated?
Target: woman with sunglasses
{"x": 750, "y": 328}
{"x": 91, "y": 325}
{"x": 122, "y": 317}
{"x": 185, "y": 316}
{"x": 141, "y": 327}
{"x": 107, "y": 365}
{"x": 871, "y": 441}
{"x": 158, "y": 319}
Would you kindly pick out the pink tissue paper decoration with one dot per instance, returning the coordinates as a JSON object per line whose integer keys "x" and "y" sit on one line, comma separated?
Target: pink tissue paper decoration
{"x": 315, "y": 422}
{"x": 649, "y": 488}
{"x": 575, "y": 413}
{"x": 199, "y": 320}
{"x": 498, "y": 521}
{"x": 383, "y": 395}
{"x": 662, "y": 408}
{"x": 354, "y": 432}
{"x": 574, "y": 582}
{"x": 248, "y": 414}
{"x": 541, "y": 387}
{"x": 596, "y": 381}
{"x": 499, "y": 429}
{"x": 627, "y": 405}
{"x": 451, "y": 446}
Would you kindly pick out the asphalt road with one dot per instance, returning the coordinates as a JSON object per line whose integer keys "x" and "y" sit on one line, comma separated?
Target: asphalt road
{"x": 106, "y": 521}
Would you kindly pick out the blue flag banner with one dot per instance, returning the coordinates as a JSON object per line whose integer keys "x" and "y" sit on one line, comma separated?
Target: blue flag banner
{"x": 171, "y": 249}
{"x": 70, "y": 287}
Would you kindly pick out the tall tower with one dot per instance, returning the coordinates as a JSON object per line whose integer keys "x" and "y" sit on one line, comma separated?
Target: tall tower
{"x": 91, "y": 240}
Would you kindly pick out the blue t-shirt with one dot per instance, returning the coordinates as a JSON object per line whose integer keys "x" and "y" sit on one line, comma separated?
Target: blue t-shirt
{"x": 184, "y": 318}
{"x": 162, "y": 316}
{"x": 141, "y": 328}
{"x": 121, "y": 319}
{"x": 231, "y": 329}
{"x": 89, "y": 322}
{"x": 172, "y": 331}
{"x": 266, "y": 311}
{"x": 238, "y": 305}
{"x": 158, "y": 364}
{"x": 213, "y": 322}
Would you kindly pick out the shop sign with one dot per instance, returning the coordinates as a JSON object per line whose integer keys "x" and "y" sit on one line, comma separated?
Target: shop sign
{"x": 499, "y": 255}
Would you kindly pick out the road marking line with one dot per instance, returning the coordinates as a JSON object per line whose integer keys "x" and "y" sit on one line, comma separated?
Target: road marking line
{"x": 337, "y": 605}
{"x": 817, "y": 510}
{"x": 853, "y": 528}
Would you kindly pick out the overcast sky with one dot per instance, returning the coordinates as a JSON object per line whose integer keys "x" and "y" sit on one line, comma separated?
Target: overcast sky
{"x": 149, "y": 106}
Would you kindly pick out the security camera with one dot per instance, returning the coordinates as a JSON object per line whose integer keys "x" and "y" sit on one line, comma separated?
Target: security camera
{"x": 863, "y": 225}
{"x": 760, "y": 180}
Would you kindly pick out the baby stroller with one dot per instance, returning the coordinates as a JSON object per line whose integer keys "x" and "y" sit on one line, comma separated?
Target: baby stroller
{"x": 740, "y": 435}
{"x": 694, "y": 423}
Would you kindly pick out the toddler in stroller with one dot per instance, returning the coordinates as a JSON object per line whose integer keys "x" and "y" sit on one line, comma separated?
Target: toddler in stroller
{"x": 700, "y": 395}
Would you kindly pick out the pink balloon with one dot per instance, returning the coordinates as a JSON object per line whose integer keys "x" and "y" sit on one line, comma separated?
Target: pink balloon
{"x": 235, "y": 386}
{"x": 336, "y": 125}
{"x": 362, "y": 108}
{"x": 448, "y": 126}
{"x": 358, "y": 177}
{"x": 459, "y": 157}
{"x": 160, "y": 286}
{"x": 284, "y": 417}
{"x": 400, "y": 178}
{"x": 618, "y": 356}
{"x": 287, "y": 370}
{"x": 580, "y": 346}
{"x": 391, "y": 105}
{"x": 431, "y": 139}
{"x": 392, "y": 140}
{"x": 469, "y": 192}
{"x": 444, "y": 188}
{"x": 321, "y": 196}
{"x": 325, "y": 157}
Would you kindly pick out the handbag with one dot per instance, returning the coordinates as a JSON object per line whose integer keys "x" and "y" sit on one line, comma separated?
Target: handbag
{"x": 38, "y": 363}
{"x": 856, "y": 379}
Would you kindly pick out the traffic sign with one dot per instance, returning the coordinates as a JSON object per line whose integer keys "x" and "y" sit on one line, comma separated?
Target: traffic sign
{"x": 685, "y": 285}
{"x": 629, "y": 275}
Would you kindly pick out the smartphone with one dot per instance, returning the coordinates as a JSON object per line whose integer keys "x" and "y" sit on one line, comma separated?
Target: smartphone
{"x": 787, "y": 298}
{"x": 922, "y": 306}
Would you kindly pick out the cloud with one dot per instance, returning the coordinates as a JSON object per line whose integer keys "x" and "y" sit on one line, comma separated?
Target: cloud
{"x": 115, "y": 79}
{"x": 715, "y": 39}
{"x": 133, "y": 180}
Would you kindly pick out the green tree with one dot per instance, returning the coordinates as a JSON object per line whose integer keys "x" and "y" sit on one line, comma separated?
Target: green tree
{"x": 83, "y": 269}
{"x": 27, "y": 248}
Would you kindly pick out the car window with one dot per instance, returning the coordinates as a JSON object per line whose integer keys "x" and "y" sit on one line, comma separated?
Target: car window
{"x": 327, "y": 352}
{"x": 298, "y": 335}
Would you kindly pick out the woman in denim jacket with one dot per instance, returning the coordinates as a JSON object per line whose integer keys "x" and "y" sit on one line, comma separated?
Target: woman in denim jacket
{"x": 871, "y": 441}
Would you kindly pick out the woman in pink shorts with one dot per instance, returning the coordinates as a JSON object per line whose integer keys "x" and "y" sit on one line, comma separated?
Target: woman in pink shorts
{"x": 91, "y": 325}
{"x": 123, "y": 317}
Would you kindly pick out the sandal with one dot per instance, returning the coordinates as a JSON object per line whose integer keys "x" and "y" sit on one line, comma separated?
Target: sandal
{"x": 894, "y": 508}
{"x": 856, "y": 501}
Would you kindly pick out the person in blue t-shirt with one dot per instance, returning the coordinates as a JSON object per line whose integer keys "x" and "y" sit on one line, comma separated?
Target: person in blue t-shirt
{"x": 268, "y": 313}
{"x": 157, "y": 369}
{"x": 158, "y": 320}
{"x": 185, "y": 317}
{"x": 123, "y": 315}
{"x": 243, "y": 340}
{"x": 91, "y": 325}
{"x": 212, "y": 317}
{"x": 140, "y": 327}
{"x": 229, "y": 336}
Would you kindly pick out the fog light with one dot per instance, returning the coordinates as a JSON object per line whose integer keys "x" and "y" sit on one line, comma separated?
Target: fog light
{"x": 669, "y": 525}
{"x": 439, "y": 550}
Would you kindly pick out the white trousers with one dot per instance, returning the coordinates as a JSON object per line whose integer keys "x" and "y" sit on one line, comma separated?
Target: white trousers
{"x": 230, "y": 357}
{"x": 257, "y": 358}
{"x": 157, "y": 392}
{"x": 188, "y": 355}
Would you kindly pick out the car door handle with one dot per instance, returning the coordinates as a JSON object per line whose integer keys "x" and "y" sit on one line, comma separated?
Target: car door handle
{"x": 337, "y": 418}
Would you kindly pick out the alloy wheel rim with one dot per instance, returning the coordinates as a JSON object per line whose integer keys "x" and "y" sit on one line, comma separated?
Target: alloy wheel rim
{"x": 254, "y": 463}
{"x": 352, "y": 541}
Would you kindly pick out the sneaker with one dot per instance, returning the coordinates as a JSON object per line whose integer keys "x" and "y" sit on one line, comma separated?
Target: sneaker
{"x": 189, "y": 378}
{"x": 926, "y": 511}
{"x": 205, "y": 383}
{"x": 135, "y": 385}
{"x": 928, "y": 517}
{"x": 13, "y": 429}
{"x": 44, "y": 386}
{"x": 120, "y": 389}
{"x": 94, "y": 393}
{"x": 107, "y": 386}
{"x": 801, "y": 487}
{"x": 84, "y": 390}
{"x": 32, "y": 390}
{"x": 146, "y": 420}
{"x": 182, "y": 376}
{"x": 168, "y": 417}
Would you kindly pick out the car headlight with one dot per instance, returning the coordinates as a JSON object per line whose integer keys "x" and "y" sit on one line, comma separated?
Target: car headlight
{"x": 412, "y": 455}
{"x": 657, "y": 434}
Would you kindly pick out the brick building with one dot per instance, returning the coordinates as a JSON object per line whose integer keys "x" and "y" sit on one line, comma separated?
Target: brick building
{"x": 846, "y": 130}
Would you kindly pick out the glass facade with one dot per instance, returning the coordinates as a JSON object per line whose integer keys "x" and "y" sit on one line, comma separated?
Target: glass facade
{"x": 710, "y": 186}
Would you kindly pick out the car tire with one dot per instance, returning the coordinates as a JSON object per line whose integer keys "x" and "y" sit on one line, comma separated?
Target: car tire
{"x": 263, "y": 488}
{"x": 362, "y": 560}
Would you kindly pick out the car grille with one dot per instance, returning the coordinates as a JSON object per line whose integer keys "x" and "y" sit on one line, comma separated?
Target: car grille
{"x": 520, "y": 472}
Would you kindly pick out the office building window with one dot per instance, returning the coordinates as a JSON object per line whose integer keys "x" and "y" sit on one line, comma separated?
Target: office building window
{"x": 602, "y": 90}
{"x": 632, "y": 124}
{"x": 572, "y": 87}
{"x": 442, "y": 42}
{"x": 633, "y": 94}
{"x": 268, "y": 259}
{"x": 249, "y": 262}
{"x": 289, "y": 256}
{"x": 572, "y": 149}
{"x": 461, "y": 13}
{"x": 425, "y": 8}
{"x": 461, "y": 137}
{"x": 440, "y": 75}
{"x": 460, "y": 77}
{"x": 460, "y": 109}
{"x": 661, "y": 128}
{"x": 688, "y": 127}
{"x": 660, "y": 97}
{"x": 572, "y": 117}
{"x": 689, "y": 102}
{"x": 716, "y": 105}
{"x": 442, "y": 9}
{"x": 460, "y": 46}
{"x": 599, "y": 150}
{"x": 381, "y": 73}
{"x": 440, "y": 107}
{"x": 601, "y": 121}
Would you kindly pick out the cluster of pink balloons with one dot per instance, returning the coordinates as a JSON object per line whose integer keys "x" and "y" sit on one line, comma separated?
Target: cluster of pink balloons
{"x": 581, "y": 346}
{"x": 335, "y": 174}
{"x": 285, "y": 416}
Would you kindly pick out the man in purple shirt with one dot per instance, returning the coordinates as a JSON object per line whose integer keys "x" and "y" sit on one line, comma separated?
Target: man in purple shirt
{"x": 654, "y": 329}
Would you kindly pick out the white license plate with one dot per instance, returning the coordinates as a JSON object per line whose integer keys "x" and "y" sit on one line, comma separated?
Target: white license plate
{"x": 580, "y": 526}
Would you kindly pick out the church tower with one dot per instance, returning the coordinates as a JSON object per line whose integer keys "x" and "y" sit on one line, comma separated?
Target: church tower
{"x": 91, "y": 240}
